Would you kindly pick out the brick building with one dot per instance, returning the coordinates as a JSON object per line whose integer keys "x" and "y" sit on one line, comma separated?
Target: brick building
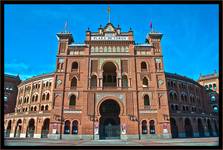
{"x": 191, "y": 113}
{"x": 10, "y": 92}
{"x": 106, "y": 88}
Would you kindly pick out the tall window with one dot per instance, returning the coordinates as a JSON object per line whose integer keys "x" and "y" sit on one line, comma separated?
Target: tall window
{"x": 175, "y": 96}
{"x": 152, "y": 127}
{"x": 213, "y": 98}
{"x": 146, "y": 101}
{"x": 74, "y": 127}
{"x": 94, "y": 81}
{"x": 46, "y": 107}
{"x": 74, "y": 82}
{"x": 144, "y": 127}
{"x": 214, "y": 86}
{"x": 67, "y": 127}
{"x": 36, "y": 98}
{"x": 143, "y": 66}
{"x": 210, "y": 86}
{"x": 74, "y": 66}
{"x": 42, "y": 108}
{"x": 145, "y": 82}
{"x": 124, "y": 81}
{"x": 47, "y": 96}
{"x": 43, "y": 97}
{"x": 72, "y": 100}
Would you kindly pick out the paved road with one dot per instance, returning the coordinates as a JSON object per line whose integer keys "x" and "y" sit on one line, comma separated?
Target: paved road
{"x": 150, "y": 142}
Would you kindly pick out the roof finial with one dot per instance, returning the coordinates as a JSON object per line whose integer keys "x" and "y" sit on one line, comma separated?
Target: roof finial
{"x": 109, "y": 10}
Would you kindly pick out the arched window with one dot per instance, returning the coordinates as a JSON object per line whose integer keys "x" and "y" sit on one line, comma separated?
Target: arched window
{"x": 213, "y": 98}
{"x": 74, "y": 66}
{"x": 43, "y": 97}
{"x": 36, "y": 98}
{"x": 124, "y": 81}
{"x": 46, "y": 107}
{"x": 143, "y": 66}
{"x": 145, "y": 82}
{"x": 42, "y": 108}
{"x": 74, "y": 82}
{"x": 72, "y": 100}
{"x": 67, "y": 127}
{"x": 144, "y": 127}
{"x": 176, "y": 107}
{"x": 171, "y": 96}
{"x": 94, "y": 81}
{"x": 152, "y": 127}
{"x": 33, "y": 98}
{"x": 175, "y": 96}
{"x": 35, "y": 108}
{"x": 27, "y": 100}
{"x": 146, "y": 101}
{"x": 48, "y": 96}
{"x": 32, "y": 108}
{"x": 214, "y": 86}
{"x": 215, "y": 109}
{"x": 210, "y": 86}
{"x": 206, "y": 87}
{"x": 182, "y": 97}
{"x": 24, "y": 100}
{"x": 74, "y": 127}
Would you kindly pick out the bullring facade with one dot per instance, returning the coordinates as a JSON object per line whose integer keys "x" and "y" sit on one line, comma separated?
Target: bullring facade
{"x": 110, "y": 88}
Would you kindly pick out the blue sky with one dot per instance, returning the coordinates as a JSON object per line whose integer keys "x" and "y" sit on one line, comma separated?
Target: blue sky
{"x": 189, "y": 44}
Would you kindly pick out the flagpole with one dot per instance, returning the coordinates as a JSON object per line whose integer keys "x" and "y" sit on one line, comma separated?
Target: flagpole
{"x": 109, "y": 13}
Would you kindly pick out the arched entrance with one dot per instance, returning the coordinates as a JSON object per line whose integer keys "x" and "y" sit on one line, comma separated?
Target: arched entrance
{"x": 109, "y": 124}
{"x": 9, "y": 127}
{"x": 174, "y": 128}
{"x": 200, "y": 128}
{"x": 30, "y": 128}
{"x": 188, "y": 128}
{"x": 45, "y": 128}
{"x": 18, "y": 128}
{"x": 216, "y": 127}
{"x": 109, "y": 75}
{"x": 210, "y": 128}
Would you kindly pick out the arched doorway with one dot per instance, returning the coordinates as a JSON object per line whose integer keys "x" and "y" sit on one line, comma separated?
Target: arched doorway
{"x": 45, "y": 128}
{"x": 109, "y": 75}
{"x": 18, "y": 128}
{"x": 188, "y": 128}
{"x": 8, "y": 130}
{"x": 210, "y": 128}
{"x": 216, "y": 127}
{"x": 200, "y": 128}
{"x": 30, "y": 128}
{"x": 75, "y": 127}
{"x": 109, "y": 124}
{"x": 174, "y": 128}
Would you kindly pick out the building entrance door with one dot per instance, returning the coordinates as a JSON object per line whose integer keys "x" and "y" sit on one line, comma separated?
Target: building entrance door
{"x": 109, "y": 124}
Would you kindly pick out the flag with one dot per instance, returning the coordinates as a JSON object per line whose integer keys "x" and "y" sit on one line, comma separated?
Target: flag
{"x": 151, "y": 25}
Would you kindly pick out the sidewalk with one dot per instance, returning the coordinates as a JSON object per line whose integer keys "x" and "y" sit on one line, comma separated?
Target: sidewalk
{"x": 213, "y": 141}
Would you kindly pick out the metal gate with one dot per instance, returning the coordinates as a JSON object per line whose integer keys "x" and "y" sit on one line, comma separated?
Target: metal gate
{"x": 112, "y": 132}
{"x": 44, "y": 133}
